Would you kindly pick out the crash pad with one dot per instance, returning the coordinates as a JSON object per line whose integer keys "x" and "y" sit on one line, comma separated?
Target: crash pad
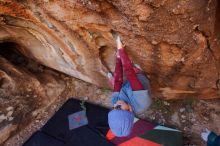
{"x": 95, "y": 131}
{"x": 56, "y": 130}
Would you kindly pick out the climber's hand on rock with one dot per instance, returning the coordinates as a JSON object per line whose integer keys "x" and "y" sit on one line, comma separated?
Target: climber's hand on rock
{"x": 119, "y": 43}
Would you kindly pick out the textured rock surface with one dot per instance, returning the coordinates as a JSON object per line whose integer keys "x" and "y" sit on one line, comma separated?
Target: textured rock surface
{"x": 25, "y": 90}
{"x": 6, "y": 132}
{"x": 175, "y": 42}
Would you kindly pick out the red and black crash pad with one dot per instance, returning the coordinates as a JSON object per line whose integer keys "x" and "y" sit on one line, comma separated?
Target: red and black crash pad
{"x": 56, "y": 131}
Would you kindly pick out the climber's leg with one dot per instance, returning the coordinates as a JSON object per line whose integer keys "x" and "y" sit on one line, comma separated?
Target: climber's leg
{"x": 118, "y": 75}
{"x": 129, "y": 71}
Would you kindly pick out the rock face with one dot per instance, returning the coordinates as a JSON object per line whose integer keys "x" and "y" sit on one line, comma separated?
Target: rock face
{"x": 26, "y": 88}
{"x": 175, "y": 42}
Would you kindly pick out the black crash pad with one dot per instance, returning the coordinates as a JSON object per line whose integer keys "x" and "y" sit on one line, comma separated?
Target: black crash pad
{"x": 56, "y": 131}
{"x": 42, "y": 139}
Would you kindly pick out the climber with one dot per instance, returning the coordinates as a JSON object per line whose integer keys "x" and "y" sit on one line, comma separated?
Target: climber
{"x": 211, "y": 138}
{"x": 130, "y": 97}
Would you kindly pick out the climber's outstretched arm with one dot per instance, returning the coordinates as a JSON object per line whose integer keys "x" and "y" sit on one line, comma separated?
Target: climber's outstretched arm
{"x": 128, "y": 68}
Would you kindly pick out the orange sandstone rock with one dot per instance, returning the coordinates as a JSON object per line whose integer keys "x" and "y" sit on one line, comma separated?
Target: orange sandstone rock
{"x": 175, "y": 42}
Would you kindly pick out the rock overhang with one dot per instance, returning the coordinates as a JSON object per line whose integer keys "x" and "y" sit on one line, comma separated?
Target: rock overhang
{"x": 174, "y": 42}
